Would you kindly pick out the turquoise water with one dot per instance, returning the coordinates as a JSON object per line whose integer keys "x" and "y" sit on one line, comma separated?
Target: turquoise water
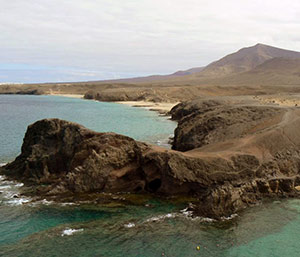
{"x": 17, "y": 112}
{"x": 269, "y": 230}
{"x": 148, "y": 228}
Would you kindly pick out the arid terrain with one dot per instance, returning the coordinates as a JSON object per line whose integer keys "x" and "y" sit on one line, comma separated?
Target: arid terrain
{"x": 237, "y": 139}
{"x": 256, "y": 70}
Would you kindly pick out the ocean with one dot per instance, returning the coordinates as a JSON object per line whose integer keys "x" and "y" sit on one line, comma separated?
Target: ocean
{"x": 18, "y": 111}
{"x": 149, "y": 227}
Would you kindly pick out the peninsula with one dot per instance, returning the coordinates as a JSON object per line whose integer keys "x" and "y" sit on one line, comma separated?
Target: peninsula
{"x": 237, "y": 139}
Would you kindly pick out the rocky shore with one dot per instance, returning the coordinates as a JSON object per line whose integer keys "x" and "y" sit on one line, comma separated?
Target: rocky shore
{"x": 226, "y": 156}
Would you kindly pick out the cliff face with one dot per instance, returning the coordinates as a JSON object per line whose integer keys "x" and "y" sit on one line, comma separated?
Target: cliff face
{"x": 226, "y": 174}
{"x": 70, "y": 158}
{"x": 202, "y": 123}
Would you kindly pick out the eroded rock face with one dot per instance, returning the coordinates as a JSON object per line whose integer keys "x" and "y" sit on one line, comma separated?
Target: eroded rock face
{"x": 208, "y": 122}
{"x": 60, "y": 157}
{"x": 68, "y": 156}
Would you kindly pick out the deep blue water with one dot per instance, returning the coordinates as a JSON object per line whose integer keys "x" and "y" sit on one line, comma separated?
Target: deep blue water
{"x": 148, "y": 228}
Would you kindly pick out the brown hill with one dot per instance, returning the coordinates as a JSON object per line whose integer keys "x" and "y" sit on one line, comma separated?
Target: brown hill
{"x": 279, "y": 65}
{"x": 277, "y": 71}
{"x": 188, "y": 72}
{"x": 243, "y": 60}
{"x": 259, "y": 67}
{"x": 246, "y": 59}
{"x": 155, "y": 78}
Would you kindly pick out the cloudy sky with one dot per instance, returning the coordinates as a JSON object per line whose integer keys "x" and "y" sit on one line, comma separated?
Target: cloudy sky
{"x": 72, "y": 40}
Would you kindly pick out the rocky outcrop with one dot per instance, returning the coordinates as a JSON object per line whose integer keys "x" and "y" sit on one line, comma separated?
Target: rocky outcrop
{"x": 112, "y": 94}
{"x": 206, "y": 122}
{"x": 24, "y": 92}
{"x": 62, "y": 157}
{"x": 232, "y": 170}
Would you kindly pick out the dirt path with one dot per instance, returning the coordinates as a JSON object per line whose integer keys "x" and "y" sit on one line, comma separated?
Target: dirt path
{"x": 260, "y": 142}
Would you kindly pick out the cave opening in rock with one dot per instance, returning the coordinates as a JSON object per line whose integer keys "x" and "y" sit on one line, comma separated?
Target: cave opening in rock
{"x": 154, "y": 185}
{"x": 138, "y": 189}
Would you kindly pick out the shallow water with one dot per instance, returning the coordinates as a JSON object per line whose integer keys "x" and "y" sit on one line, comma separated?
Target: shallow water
{"x": 271, "y": 229}
{"x": 151, "y": 228}
{"x": 18, "y": 111}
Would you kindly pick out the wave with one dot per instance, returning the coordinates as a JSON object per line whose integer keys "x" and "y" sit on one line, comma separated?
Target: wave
{"x": 162, "y": 217}
{"x": 129, "y": 225}
{"x": 232, "y": 216}
{"x": 19, "y": 201}
{"x": 70, "y": 231}
{"x": 67, "y": 204}
{"x": 10, "y": 192}
{"x": 186, "y": 214}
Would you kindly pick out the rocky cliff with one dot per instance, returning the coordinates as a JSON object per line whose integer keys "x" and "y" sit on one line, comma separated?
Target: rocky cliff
{"x": 234, "y": 162}
{"x": 210, "y": 121}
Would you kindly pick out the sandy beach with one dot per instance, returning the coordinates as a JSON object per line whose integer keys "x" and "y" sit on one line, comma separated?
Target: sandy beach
{"x": 162, "y": 107}
{"x": 67, "y": 95}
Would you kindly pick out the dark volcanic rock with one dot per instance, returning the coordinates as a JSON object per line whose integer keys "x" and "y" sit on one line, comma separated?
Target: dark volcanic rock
{"x": 69, "y": 157}
{"x": 186, "y": 108}
{"x": 72, "y": 157}
{"x": 25, "y": 92}
{"x": 60, "y": 157}
{"x": 206, "y": 122}
{"x": 135, "y": 94}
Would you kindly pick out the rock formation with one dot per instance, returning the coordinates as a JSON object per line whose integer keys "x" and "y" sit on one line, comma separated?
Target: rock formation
{"x": 237, "y": 155}
{"x": 206, "y": 122}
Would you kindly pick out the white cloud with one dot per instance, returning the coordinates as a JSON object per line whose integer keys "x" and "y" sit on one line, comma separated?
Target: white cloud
{"x": 141, "y": 36}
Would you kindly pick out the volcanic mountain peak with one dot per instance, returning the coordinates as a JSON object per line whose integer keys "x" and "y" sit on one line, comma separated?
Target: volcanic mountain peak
{"x": 246, "y": 59}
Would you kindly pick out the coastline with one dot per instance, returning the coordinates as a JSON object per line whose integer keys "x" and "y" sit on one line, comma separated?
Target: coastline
{"x": 160, "y": 107}
{"x": 78, "y": 96}
{"x": 227, "y": 158}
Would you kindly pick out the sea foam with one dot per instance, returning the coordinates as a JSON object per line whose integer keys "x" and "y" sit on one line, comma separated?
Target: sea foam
{"x": 129, "y": 225}
{"x": 10, "y": 192}
{"x": 70, "y": 231}
{"x": 186, "y": 214}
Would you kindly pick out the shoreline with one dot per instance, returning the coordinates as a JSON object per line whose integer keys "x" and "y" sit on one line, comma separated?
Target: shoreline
{"x": 77, "y": 96}
{"x": 160, "y": 107}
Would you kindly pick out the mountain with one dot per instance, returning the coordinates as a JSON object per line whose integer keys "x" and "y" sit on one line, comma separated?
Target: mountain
{"x": 276, "y": 71}
{"x": 279, "y": 66}
{"x": 154, "y": 78}
{"x": 187, "y": 72}
{"x": 241, "y": 61}
{"x": 260, "y": 68}
{"x": 245, "y": 60}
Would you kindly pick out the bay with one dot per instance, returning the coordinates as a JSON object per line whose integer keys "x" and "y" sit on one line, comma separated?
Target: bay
{"x": 18, "y": 111}
{"x": 149, "y": 227}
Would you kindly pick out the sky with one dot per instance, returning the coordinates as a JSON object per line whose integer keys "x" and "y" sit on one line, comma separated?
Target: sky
{"x": 84, "y": 40}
